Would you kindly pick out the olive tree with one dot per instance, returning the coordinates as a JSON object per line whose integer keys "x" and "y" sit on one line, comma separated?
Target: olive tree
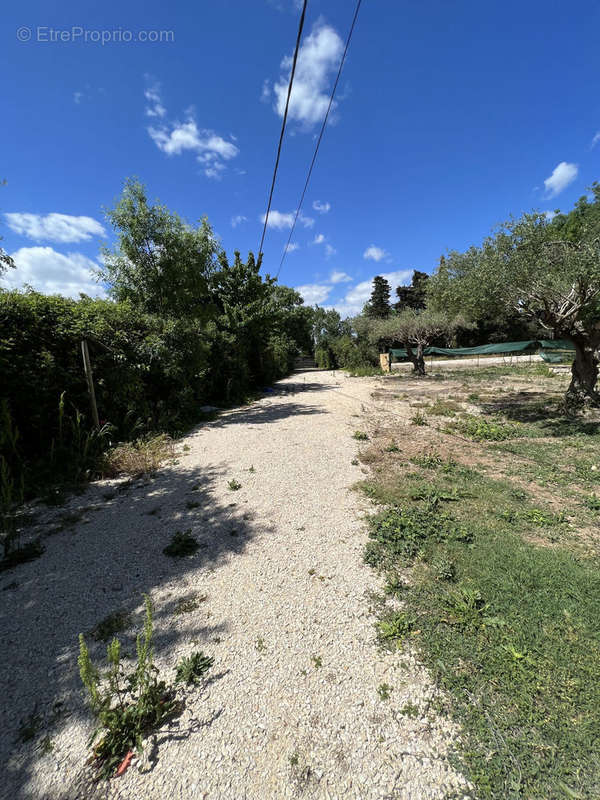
{"x": 526, "y": 267}
{"x": 415, "y": 330}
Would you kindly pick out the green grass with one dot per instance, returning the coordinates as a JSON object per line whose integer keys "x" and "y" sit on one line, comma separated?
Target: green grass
{"x": 509, "y": 628}
{"x": 182, "y": 544}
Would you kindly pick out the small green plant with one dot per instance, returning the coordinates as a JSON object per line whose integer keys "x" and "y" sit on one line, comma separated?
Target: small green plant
{"x": 114, "y": 623}
{"x": 410, "y": 710}
{"x": 234, "y": 485}
{"x": 355, "y": 462}
{"x": 394, "y": 628}
{"x": 419, "y": 419}
{"x": 485, "y": 430}
{"x": 295, "y": 759}
{"x": 317, "y": 661}
{"x": 128, "y": 706}
{"x": 29, "y": 727}
{"x": 186, "y": 605}
{"x": 186, "y": 448}
{"x": 46, "y": 745}
{"x": 191, "y": 504}
{"x": 444, "y": 408}
{"x": 593, "y": 502}
{"x": 360, "y": 436}
{"x": 444, "y": 568}
{"x": 392, "y": 447}
{"x": 181, "y": 545}
{"x": 260, "y": 645}
{"x": 466, "y": 607}
{"x": 192, "y": 669}
{"x": 384, "y": 690}
{"x": 251, "y": 468}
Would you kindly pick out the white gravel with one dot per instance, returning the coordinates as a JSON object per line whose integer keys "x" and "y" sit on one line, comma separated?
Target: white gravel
{"x": 287, "y": 590}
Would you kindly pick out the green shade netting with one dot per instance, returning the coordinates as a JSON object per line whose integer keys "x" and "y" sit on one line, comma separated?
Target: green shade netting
{"x": 496, "y": 349}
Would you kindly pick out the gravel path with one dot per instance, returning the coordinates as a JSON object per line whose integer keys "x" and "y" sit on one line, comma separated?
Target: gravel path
{"x": 292, "y": 708}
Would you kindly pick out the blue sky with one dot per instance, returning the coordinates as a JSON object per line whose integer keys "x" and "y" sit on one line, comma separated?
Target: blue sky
{"x": 450, "y": 117}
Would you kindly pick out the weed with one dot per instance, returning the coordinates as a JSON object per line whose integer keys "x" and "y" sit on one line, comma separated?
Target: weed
{"x": 311, "y": 571}
{"x": 29, "y": 727}
{"x": 195, "y": 487}
{"x": 142, "y": 457}
{"x": 251, "y": 468}
{"x": 116, "y": 622}
{"x": 181, "y": 544}
{"x": 191, "y": 669}
{"x": 186, "y": 448}
{"x": 234, "y": 485}
{"x": 317, "y": 661}
{"x": 419, "y": 419}
{"x": 360, "y": 436}
{"x": 355, "y": 462}
{"x": 445, "y": 408}
{"x": 46, "y": 745}
{"x": 128, "y": 706}
{"x": 410, "y": 710}
{"x": 191, "y": 504}
{"x": 384, "y": 690}
{"x": 295, "y": 759}
{"x": 185, "y": 605}
{"x": 444, "y": 568}
{"x": 485, "y": 430}
{"x": 392, "y": 448}
{"x": 592, "y": 502}
{"x": 22, "y": 554}
{"x": 466, "y": 607}
{"x": 394, "y": 628}
{"x": 260, "y": 645}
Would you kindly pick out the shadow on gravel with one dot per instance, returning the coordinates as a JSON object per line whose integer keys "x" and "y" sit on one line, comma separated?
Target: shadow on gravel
{"x": 547, "y": 412}
{"x": 102, "y": 561}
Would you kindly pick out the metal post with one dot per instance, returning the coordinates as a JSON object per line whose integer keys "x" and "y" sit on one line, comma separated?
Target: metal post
{"x": 87, "y": 368}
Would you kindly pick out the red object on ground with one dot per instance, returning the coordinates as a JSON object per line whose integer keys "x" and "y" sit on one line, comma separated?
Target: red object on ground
{"x": 125, "y": 763}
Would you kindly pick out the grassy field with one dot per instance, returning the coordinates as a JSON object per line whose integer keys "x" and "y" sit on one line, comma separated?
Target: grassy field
{"x": 487, "y": 530}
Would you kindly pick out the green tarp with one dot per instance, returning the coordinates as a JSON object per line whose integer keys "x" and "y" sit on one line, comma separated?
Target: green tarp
{"x": 495, "y": 349}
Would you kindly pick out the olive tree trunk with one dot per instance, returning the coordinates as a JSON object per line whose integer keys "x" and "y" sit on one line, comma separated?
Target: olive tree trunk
{"x": 417, "y": 358}
{"x": 584, "y": 375}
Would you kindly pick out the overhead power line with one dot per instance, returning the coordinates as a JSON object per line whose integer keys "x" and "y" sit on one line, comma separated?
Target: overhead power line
{"x": 322, "y": 131}
{"x": 287, "y": 103}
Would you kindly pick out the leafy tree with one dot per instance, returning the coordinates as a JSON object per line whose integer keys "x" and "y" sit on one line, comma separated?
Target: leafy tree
{"x": 414, "y": 331}
{"x": 414, "y": 295}
{"x": 378, "y": 306}
{"x": 161, "y": 265}
{"x": 546, "y": 272}
{"x": 6, "y": 261}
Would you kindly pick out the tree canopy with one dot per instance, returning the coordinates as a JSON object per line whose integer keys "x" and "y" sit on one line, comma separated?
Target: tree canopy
{"x": 545, "y": 271}
{"x": 378, "y": 306}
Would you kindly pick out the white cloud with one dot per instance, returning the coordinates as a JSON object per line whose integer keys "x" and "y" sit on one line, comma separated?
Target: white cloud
{"x": 314, "y": 293}
{"x": 375, "y": 253}
{"x": 595, "y": 140}
{"x": 174, "y": 138}
{"x": 54, "y": 227}
{"x": 155, "y": 106}
{"x": 280, "y": 221}
{"x": 355, "y": 298}
{"x": 550, "y": 215}
{"x": 339, "y": 277}
{"x": 318, "y": 58}
{"x": 51, "y": 272}
{"x": 77, "y": 97}
{"x": 322, "y": 208}
{"x": 319, "y": 239}
{"x": 329, "y": 251}
{"x": 237, "y": 220}
{"x": 562, "y": 175}
{"x": 291, "y": 247}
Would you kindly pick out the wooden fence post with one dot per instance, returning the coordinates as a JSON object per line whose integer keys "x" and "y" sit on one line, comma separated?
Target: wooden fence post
{"x": 87, "y": 367}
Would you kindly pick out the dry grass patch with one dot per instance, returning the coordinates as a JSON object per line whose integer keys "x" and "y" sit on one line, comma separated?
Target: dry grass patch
{"x": 142, "y": 457}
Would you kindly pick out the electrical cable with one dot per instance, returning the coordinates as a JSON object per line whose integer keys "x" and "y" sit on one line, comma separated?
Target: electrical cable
{"x": 323, "y": 126}
{"x": 283, "y": 124}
